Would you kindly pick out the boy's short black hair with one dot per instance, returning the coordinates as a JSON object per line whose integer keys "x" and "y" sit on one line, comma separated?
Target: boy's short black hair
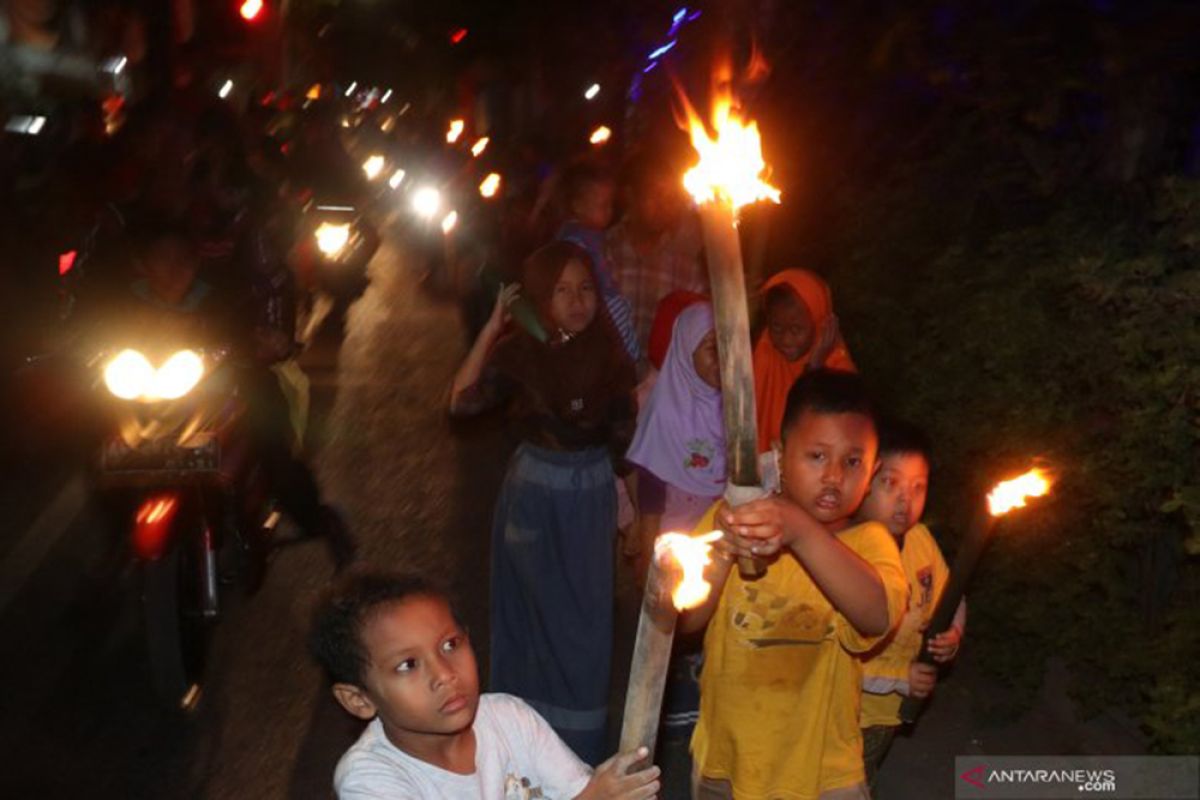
{"x": 828, "y": 391}
{"x": 898, "y": 437}
{"x": 335, "y": 639}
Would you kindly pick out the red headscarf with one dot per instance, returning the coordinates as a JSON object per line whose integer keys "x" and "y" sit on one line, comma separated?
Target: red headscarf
{"x": 774, "y": 374}
{"x": 669, "y": 309}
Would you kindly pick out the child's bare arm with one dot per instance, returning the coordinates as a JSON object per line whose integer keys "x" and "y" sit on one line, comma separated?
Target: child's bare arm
{"x": 610, "y": 781}
{"x": 472, "y": 367}
{"x": 854, "y": 588}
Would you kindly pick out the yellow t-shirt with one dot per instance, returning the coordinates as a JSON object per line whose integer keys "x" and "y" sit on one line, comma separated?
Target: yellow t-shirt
{"x": 780, "y": 688}
{"x": 885, "y": 670}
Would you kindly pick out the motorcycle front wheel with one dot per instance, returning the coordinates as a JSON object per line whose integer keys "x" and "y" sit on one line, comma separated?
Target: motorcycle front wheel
{"x": 177, "y": 630}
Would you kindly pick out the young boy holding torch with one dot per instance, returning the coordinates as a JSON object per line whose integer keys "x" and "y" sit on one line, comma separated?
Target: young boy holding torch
{"x": 400, "y": 659}
{"x": 780, "y": 689}
{"x": 892, "y": 671}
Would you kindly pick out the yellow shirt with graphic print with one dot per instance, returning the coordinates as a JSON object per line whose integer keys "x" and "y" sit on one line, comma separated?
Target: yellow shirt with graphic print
{"x": 779, "y": 692}
{"x": 885, "y": 670}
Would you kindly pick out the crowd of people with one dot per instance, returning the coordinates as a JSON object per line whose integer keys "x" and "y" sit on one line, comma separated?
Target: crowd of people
{"x": 788, "y": 684}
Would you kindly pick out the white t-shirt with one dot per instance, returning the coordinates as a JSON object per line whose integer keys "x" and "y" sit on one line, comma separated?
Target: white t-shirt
{"x": 518, "y": 756}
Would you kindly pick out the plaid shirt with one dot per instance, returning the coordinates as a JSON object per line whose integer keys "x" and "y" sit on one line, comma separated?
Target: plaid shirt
{"x": 673, "y": 264}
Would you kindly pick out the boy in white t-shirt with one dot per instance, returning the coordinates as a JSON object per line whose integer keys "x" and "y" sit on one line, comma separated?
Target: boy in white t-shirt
{"x": 398, "y": 657}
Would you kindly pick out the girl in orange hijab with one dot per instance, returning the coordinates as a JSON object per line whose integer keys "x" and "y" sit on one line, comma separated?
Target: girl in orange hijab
{"x": 801, "y": 333}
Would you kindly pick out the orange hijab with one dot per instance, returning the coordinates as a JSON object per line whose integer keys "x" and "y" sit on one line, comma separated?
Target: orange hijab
{"x": 774, "y": 374}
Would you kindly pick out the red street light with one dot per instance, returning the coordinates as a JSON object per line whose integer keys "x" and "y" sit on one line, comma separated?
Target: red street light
{"x": 251, "y": 9}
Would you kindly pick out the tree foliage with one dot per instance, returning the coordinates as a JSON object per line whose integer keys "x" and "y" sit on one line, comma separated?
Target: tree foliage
{"x": 1015, "y": 250}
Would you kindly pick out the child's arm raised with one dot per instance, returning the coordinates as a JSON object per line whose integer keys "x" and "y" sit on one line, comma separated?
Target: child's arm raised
{"x": 469, "y": 373}
{"x": 610, "y": 782}
{"x": 763, "y": 527}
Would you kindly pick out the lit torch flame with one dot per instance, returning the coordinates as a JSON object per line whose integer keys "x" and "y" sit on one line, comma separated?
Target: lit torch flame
{"x": 731, "y": 167}
{"x": 455, "y": 131}
{"x": 600, "y": 135}
{"x": 691, "y": 553}
{"x": 1013, "y": 493}
{"x": 479, "y": 146}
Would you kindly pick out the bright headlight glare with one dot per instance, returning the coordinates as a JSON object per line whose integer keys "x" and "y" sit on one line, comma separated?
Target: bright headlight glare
{"x": 129, "y": 375}
{"x": 426, "y": 201}
{"x": 373, "y": 166}
{"x": 178, "y": 376}
{"x": 332, "y": 238}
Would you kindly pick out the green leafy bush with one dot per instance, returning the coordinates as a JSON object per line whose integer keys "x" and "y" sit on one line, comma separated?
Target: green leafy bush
{"x": 1072, "y": 340}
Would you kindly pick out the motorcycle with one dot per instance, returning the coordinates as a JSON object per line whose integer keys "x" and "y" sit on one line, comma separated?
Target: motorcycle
{"x": 178, "y": 460}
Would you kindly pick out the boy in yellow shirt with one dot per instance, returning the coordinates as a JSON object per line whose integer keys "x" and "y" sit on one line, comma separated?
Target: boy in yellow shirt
{"x": 780, "y": 689}
{"x": 891, "y": 671}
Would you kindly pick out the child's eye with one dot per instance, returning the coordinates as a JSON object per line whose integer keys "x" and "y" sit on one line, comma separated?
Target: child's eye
{"x": 451, "y": 644}
{"x": 853, "y": 461}
{"x": 407, "y": 665}
{"x": 816, "y": 456}
{"x": 889, "y": 483}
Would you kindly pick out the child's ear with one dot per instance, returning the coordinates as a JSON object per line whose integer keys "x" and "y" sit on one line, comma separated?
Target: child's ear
{"x": 354, "y": 699}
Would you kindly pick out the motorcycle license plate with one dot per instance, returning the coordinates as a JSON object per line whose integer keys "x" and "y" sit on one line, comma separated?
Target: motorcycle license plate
{"x": 159, "y": 459}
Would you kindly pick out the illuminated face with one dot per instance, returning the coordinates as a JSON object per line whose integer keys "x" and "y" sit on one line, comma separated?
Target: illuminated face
{"x": 573, "y": 304}
{"x": 897, "y": 495}
{"x": 790, "y": 326}
{"x": 593, "y": 206}
{"x": 705, "y": 360}
{"x": 421, "y": 679}
{"x": 827, "y": 463}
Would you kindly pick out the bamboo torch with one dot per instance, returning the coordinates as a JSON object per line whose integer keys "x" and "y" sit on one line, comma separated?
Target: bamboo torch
{"x": 728, "y": 176}
{"x": 678, "y": 560}
{"x": 1004, "y": 497}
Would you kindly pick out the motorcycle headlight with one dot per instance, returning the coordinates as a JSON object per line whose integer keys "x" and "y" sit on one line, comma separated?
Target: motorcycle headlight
{"x": 373, "y": 166}
{"x": 129, "y": 375}
{"x": 332, "y": 238}
{"x": 426, "y": 202}
{"x": 178, "y": 375}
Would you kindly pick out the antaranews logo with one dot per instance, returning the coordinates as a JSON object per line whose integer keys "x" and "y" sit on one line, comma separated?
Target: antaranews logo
{"x": 1065, "y": 777}
{"x": 1085, "y": 780}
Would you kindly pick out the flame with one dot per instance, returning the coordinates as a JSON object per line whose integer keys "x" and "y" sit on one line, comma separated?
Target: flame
{"x": 479, "y": 146}
{"x": 490, "y": 185}
{"x": 691, "y": 553}
{"x": 1013, "y": 493}
{"x": 731, "y": 167}
{"x": 455, "y": 131}
{"x": 601, "y": 135}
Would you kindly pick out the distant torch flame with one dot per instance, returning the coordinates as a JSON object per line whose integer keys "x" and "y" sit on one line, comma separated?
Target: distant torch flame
{"x": 601, "y": 135}
{"x": 479, "y": 146}
{"x": 731, "y": 167}
{"x": 692, "y": 555}
{"x": 1013, "y": 493}
{"x": 490, "y": 185}
{"x": 455, "y": 131}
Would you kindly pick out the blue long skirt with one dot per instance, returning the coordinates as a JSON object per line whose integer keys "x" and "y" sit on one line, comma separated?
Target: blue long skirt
{"x": 552, "y": 590}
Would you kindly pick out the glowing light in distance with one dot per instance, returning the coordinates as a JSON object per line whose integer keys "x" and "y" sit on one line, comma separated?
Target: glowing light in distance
{"x": 178, "y": 376}
{"x": 592, "y": 91}
{"x": 332, "y": 238}
{"x": 455, "y": 131}
{"x": 128, "y": 375}
{"x": 449, "y": 221}
{"x": 386, "y": 96}
{"x": 479, "y": 146}
{"x": 373, "y": 166}
{"x": 396, "y": 179}
{"x": 226, "y": 88}
{"x": 426, "y": 202}
{"x": 490, "y": 185}
{"x": 600, "y": 135}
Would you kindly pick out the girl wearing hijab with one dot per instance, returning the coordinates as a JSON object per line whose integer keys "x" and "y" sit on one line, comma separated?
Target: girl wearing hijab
{"x": 801, "y": 334}
{"x": 552, "y": 534}
{"x": 679, "y": 447}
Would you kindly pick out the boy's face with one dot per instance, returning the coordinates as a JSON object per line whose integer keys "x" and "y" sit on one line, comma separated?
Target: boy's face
{"x": 827, "y": 463}
{"x": 593, "y": 204}
{"x": 897, "y": 496}
{"x": 421, "y": 679}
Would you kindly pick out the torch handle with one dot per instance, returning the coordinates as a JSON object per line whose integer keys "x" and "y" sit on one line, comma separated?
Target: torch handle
{"x": 973, "y": 545}
{"x": 731, "y": 315}
{"x": 648, "y": 668}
